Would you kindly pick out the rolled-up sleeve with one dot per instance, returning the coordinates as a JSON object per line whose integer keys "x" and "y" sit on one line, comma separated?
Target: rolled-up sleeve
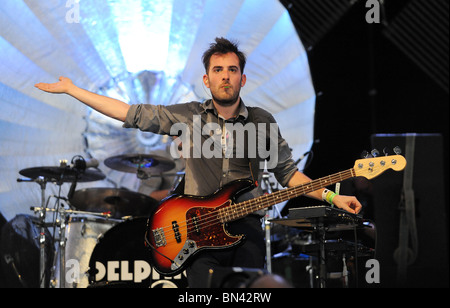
{"x": 157, "y": 119}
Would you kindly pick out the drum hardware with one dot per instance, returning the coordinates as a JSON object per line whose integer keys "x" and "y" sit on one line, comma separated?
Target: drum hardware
{"x": 60, "y": 175}
{"x": 57, "y": 175}
{"x": 89, "y": 214}
{"x": 42, "y": 182}
{"x": 268, "y": 216}
{"x": 20, "y": 252}
{"x": 82, "y": 233}
{"x": 319, "y": 221}
{"x": 143, "y": 165}
{"x": 118, "y": 202}
{"x": 63, "y": 218}
{"x": 105, "y": 215}
{"x": 79, "y": 231}
{"x": 178, "y": 183}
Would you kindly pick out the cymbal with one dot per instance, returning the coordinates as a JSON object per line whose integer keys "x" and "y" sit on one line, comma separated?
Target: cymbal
{"x": 118, "y": 201}
{"x": 133, "y": 162}
{"x": 63, "y": 174}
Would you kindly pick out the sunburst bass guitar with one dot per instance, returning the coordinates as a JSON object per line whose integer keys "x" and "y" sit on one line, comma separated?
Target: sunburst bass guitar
{"x": 185, "y": 225}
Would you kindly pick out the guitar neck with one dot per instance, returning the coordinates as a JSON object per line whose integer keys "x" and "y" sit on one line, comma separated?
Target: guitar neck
{"x": 244, "y": 208}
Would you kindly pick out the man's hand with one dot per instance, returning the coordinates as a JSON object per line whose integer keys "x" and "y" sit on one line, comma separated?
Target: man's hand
{"x": 62, "y": 86}
{"x": 110, "y": 107}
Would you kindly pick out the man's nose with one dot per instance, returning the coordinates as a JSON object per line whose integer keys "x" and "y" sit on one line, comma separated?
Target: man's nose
{"x": 226, "y": 75}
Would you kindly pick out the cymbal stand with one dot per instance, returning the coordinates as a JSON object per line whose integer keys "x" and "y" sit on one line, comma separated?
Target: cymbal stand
{"x": 310, "y": 268}
{"x": 42, "y": 183}
{"x": 42, "y": 214}
{"x": 267, "y": 225}
{"x": 60, "y": 223}
{"x": 62, "y": 247}
{"x": 321, "y": 232}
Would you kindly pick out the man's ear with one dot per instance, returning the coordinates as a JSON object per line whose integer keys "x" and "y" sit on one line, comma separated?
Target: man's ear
{"x": 243, "y": 80}
{"x": 206, "y": 80}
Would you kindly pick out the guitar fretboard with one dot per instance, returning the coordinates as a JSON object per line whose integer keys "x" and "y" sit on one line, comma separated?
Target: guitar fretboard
{"x": 242, "y": 209}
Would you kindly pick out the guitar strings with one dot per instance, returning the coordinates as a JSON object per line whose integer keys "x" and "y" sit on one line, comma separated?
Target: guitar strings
{"x": 213, "y": 217}
{"x": 238, "y": 214}
{"x": 240, "y": 210}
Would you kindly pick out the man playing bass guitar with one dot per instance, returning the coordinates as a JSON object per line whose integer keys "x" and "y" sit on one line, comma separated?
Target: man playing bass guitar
{"x": 214, "y": 158}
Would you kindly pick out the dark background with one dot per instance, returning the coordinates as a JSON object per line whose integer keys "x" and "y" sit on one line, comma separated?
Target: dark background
{"x": 365, "y": 83}
{"x": 388, "y": 77}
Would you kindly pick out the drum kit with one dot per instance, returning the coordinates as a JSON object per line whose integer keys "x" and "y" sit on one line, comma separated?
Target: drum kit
{"x": 99, "y": 237}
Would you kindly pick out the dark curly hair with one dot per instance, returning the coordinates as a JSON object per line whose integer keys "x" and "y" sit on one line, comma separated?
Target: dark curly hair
{"x": 223, "y": 46}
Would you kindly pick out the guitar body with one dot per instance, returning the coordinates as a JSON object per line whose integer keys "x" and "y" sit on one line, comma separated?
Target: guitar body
{"x": 184, "y": 225}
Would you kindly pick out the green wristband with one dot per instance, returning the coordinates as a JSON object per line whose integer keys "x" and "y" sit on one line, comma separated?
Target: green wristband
{"x": 330, "y": 198}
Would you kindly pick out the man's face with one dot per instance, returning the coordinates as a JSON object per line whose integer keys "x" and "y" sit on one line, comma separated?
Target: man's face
{"x": 224, "y": 78}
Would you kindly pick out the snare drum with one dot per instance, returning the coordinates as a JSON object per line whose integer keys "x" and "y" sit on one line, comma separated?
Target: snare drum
{"x": 82, "y": 234}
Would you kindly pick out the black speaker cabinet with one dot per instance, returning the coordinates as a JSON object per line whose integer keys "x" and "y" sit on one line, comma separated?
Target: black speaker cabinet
{"x": 428, "y": 263}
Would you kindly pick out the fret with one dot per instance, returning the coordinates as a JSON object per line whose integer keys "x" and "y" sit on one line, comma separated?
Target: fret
{"x": 244, "y": 208}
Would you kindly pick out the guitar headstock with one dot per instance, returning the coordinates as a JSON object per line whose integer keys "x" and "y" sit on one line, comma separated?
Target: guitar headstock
{"x": 374, "y": 166}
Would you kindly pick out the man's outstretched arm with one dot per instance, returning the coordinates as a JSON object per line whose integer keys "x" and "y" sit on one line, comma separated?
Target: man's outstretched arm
{"x": 108, "y": 106}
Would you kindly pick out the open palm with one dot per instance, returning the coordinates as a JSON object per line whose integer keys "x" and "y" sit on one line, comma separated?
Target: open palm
{"x": 62, "y": 86}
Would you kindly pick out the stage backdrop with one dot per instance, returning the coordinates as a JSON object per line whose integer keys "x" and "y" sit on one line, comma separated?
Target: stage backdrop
{"x": 140, "y": 52}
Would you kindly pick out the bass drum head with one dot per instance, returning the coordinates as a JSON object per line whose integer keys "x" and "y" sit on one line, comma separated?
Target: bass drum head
{"x": 121, "y": 259}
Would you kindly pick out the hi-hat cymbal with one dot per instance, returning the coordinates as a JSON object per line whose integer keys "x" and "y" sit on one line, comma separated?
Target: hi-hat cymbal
{"x": 131, "y": 163}
{"x": 118, "y": 202}
{"x": 63, "y": 174}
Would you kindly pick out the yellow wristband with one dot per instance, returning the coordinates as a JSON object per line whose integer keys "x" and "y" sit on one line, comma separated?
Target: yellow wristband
{"x": 330, "y": 198}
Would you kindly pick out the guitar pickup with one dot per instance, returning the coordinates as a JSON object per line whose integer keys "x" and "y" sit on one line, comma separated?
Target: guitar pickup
{"x": 195, "y": 223}
{"x": 176, "y": 230}
{"x": 160, "y": 238}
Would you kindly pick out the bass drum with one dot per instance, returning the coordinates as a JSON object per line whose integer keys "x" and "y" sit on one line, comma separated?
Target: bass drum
{"x": 121, "y": 259}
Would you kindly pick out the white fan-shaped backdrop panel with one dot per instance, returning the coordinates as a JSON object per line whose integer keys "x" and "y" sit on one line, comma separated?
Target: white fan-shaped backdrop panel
{"x": 140, "y": 52}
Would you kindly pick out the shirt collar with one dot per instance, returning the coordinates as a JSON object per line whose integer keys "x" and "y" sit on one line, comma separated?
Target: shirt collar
{"x": 243, "y": 111}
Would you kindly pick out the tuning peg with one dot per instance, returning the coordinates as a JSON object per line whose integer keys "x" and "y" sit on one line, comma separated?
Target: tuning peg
{"x": 364, "y": 154}
{"x": 386, "y": 151}
{"x": 375, "y": 153}
{"x": 397, "y": 150}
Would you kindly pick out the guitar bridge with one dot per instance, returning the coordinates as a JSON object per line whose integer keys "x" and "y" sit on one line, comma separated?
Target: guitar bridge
{"x": 160, "y": 238}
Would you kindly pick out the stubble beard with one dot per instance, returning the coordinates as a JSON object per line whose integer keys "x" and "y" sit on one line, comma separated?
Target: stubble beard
{"x": 225, "y": 102}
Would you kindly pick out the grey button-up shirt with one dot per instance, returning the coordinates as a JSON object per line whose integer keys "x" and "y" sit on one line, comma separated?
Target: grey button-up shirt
{"x": 208, "y": 136}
